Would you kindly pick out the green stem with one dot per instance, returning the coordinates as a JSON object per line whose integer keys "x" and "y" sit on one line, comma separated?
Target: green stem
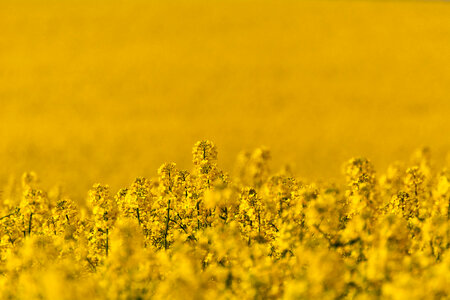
{"x": 198, "y": 214}
{"x": 167, "y": 225}
{"x": 29, "y": 223}
{"x": 107, "y": 242}
{"x": 7, "y": 216}
{"x": 259, "y": 223}
{"x": 90, "y": 262}
{"x": 138, "y": 216}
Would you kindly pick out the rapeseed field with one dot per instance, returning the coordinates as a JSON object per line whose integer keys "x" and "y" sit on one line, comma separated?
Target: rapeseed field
{"x": 224, "y": 149}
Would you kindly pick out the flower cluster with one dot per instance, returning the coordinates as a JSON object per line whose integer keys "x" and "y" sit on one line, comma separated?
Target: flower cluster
{"x": 203, "y": 234}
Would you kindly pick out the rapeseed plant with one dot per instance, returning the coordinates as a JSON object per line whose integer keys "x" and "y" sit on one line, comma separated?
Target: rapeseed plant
{"x": 204, "y": 234}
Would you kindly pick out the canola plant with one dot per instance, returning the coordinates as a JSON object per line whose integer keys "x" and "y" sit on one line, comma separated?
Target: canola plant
{"x": 203, "y": 234}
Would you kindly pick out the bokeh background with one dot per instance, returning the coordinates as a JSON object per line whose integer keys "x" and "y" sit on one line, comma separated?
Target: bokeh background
{"x": 104, "y": 91}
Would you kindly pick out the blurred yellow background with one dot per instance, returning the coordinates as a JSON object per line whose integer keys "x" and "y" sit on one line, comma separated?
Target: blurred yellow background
{"x": 104, "y": 91}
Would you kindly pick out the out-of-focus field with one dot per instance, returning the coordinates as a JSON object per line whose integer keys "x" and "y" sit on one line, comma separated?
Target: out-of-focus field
{"x": 108, "y": 90}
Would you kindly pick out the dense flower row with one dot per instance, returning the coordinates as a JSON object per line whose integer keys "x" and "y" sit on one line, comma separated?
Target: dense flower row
{"x": 202, "y": 235}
